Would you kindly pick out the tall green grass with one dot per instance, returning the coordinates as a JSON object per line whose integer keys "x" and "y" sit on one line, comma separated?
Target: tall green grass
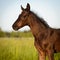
{"x": 19, "y": 49}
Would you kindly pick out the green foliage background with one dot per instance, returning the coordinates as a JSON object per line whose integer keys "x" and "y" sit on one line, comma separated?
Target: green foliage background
{"x": 16, "y": 34}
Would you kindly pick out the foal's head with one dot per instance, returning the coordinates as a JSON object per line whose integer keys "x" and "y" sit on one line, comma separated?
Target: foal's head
{"x": 23, "y": 18}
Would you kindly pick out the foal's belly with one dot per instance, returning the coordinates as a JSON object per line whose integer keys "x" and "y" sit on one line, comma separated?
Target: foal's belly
{"x": 57, "y": 46}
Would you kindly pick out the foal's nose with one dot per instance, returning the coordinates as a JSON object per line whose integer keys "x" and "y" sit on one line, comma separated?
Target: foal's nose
{"x": 14, "y": 27}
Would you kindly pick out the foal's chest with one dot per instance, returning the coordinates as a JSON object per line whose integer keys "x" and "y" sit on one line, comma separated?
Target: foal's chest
{"x": 47, "y": 39}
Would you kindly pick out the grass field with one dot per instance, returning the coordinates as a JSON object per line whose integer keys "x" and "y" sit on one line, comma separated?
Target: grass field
{"x": 19, "y": 49}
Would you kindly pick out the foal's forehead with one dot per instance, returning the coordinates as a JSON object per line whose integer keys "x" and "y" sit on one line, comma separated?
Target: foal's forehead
{"x": 24, "y": 11}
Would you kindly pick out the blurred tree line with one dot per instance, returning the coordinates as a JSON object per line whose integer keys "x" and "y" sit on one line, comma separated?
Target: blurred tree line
{"x": 15, "y": 34}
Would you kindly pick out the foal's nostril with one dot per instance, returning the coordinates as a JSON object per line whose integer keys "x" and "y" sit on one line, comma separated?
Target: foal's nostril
{"x": 13, "y": 26}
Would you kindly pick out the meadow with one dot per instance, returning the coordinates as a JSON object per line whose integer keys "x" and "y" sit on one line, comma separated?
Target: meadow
{"x": 19, "y": 49}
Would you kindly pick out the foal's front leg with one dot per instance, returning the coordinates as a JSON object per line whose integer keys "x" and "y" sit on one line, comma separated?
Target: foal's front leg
{"x": 50, "y": 53}
{"x": 42, "y": 55}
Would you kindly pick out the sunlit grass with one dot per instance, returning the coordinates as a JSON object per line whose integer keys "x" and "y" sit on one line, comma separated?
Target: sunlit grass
{"x": 19, "y": 49}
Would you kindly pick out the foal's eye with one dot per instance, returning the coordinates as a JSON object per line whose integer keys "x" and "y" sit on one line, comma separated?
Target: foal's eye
{"x": 24, "y": 16}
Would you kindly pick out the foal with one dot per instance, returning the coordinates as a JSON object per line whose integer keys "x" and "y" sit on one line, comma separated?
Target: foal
{"x": 47, "y": 40}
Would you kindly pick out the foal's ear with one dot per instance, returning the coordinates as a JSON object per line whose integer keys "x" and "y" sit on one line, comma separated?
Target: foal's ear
{"x": 28, "y": 7}
{"x": 22, "y": 8}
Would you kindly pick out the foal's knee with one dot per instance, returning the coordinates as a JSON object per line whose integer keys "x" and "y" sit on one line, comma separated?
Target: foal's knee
{"x": 42, "y": 56}
{"x": 50, "y": 54}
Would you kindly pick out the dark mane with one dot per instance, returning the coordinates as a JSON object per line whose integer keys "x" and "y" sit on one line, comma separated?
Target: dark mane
{"x": 41, "y": 20}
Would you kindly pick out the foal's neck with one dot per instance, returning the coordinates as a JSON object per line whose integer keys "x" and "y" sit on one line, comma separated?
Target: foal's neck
{"x": 35, "y": 25}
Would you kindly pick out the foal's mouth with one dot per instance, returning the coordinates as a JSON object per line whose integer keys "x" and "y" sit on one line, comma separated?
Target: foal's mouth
{"x": 15, "y": 27}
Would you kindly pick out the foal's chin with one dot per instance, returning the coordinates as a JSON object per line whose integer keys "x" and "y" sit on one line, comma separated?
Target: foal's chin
{"x": 15, "y": 28}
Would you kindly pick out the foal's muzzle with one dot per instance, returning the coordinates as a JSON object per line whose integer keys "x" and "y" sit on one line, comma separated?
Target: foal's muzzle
{"x": 15, "y": 27}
